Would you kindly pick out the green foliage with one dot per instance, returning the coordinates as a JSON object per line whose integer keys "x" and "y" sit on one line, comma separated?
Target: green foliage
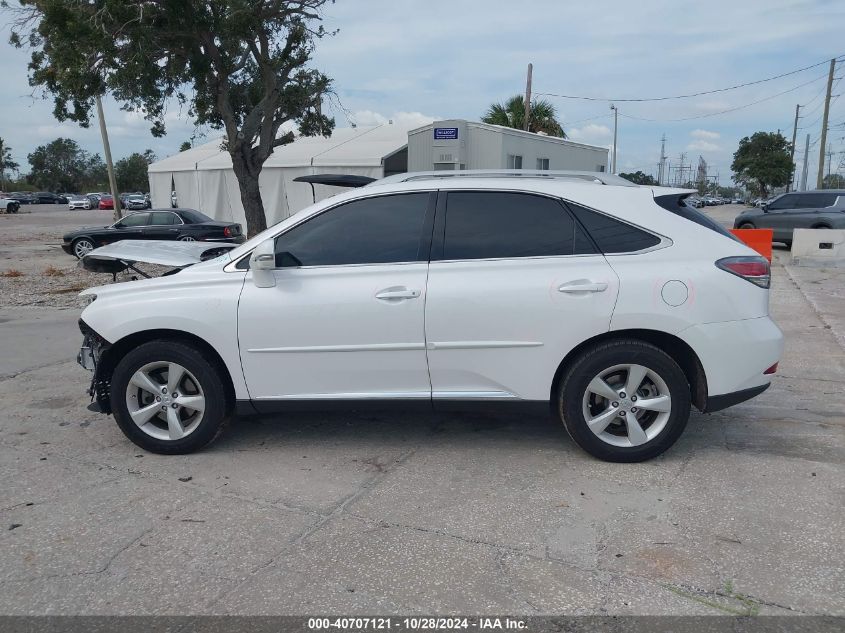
{"x": 543, "y": 116}
{"x": 185, "y": 146}
{"x": 64, "y": 167}
{"x": 833, "y": 181}
{"x": 239, "y": 65}
{"x": 6, "y": 163}
{"x": 131, "y": 172}
{"x": 762, "y": 161}
{"x": 639, "y": 178}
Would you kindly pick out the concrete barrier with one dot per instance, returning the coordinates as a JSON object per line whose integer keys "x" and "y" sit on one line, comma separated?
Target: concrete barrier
{"x": 818, "y": 247}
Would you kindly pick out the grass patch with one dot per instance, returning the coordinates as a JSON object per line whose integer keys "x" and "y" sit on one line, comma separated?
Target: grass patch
{"x": 52, "y": 271}
{"x": 12, "y": 272}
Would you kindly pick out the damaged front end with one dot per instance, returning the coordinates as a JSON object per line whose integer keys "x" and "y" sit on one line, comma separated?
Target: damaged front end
{"x": 93, "y": 357}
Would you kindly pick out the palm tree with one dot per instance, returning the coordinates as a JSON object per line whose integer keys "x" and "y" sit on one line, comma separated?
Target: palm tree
{"x": 6, "y": 162}
{"x": 512, "y": 114}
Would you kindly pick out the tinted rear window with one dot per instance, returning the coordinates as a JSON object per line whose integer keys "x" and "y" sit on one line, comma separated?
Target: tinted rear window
{"x": 675, "y": 204}
{"x": 497, "y": 225}
{"x": 610, "y": 235}
{"x": 189, "y": 216}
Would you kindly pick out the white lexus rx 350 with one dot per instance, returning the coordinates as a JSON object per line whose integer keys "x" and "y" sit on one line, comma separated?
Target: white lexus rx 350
{"x": 615, "y": 305}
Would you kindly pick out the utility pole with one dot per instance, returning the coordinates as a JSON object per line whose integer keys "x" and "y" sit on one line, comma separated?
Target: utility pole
{"x": 829, "y": 158}
{"x": 615, "y": 121}
{"x": 109, "y": 165}
{"x": 792, "y": 149}
{"x": 528, "y": 98}
{"x": 662, "y": 166}
{"x": 804, "y": 172}
{"x": 823, "y": 144}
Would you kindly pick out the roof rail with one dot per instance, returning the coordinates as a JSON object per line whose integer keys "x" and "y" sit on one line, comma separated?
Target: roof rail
{"x": 597, "y": 177}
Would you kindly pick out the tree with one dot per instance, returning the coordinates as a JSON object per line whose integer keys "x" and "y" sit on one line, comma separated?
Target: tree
{"x": 833, "y": 181}
{"x": 185, "y": 146}
{"x": 63, "y": 166}
{"x": 639, "y": 178}
{"x": 131, "y": 172}
{"x": 762, "y": 161}
{"x": 239, "y": 65}
{"x": 6, "y": 162}
{"x": 543, "y": 116}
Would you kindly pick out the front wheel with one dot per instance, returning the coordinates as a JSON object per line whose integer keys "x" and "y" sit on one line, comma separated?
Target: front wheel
{"x": 82, "y": 247}
{"x": 169, "y": 398}
{"x": 624, "y": 401}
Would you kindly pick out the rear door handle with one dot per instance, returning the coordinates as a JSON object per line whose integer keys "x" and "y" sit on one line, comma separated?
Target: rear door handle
{"x": 397, "y": 293}
{"x": 583, "y": 286}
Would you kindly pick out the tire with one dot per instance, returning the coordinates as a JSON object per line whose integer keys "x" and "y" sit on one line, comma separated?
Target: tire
{"x": 187, "y": 238}
{"x": 157, "y": 433}
{"x": 658, "y": 429}
{"x": 747, "y": 225}
{"x": 81, "y": 246}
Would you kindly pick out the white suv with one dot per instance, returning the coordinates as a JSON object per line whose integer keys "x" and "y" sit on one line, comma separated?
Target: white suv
{"x": 615, "y": 304}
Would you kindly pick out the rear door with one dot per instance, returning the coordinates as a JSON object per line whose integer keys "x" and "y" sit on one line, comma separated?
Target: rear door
{"x": 514, "y": 284}
{"x": 164, "y": 225}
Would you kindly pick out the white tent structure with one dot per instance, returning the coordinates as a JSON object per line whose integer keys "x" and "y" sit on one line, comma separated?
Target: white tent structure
{"x": 203, "y": 178}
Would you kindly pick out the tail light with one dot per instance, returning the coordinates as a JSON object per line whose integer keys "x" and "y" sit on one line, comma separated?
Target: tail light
{"x": 227, "y": 231}
{"x": 771, "y": 369}
{"x": 753, "y": 269}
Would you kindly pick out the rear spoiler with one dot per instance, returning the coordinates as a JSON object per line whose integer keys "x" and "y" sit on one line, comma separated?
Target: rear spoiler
{"x": 334, "y": 180}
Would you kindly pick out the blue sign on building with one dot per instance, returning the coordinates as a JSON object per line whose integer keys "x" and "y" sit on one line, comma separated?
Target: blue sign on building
{"x": 445, "y": 133}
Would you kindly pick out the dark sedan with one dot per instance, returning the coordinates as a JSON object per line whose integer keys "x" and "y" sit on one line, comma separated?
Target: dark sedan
{"x": 185, "y": 225}
{"x": 48, "y": 197}
{"x": 820, "y": 209}
{"x": 23, "y": 197}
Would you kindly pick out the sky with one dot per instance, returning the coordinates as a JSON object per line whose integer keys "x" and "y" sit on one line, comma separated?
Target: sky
{"x": 414, "y": 61}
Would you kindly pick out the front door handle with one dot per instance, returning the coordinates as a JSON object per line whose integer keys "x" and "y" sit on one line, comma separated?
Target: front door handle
{"x": 397, "y": 293}
{"x": 583, "y": 286}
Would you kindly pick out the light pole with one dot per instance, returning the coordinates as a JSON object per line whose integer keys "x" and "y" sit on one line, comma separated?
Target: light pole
{"x": 615, "y": 121}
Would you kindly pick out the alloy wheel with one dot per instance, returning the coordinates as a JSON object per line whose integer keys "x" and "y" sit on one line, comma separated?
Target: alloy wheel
{"x": 627, "y": 405}
{"x": 82, "y": 247}
{"x": 165, "y": 400}
{"x": 187, "y": 238}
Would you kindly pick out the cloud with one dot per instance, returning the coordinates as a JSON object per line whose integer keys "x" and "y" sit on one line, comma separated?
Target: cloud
{"x": 703, "y": 146}
{"x": 705, "y": 135}
{"x": 407, "y": 120}
{"x": 592, "y": 132}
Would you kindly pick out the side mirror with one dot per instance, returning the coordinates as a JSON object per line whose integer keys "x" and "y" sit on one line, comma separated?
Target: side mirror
{"x": 262, "y": 262}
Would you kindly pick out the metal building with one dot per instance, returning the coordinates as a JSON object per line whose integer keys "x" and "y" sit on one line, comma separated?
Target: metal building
{"x": 459, "y": 144}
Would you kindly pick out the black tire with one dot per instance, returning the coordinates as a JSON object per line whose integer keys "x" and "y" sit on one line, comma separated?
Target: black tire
{"x": 217, "y": 408}
{"x": 747, "y": 225}
{"x": 591, "y": 363}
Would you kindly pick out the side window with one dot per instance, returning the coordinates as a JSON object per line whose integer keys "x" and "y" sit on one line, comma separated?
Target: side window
{"x": 514, "y": 161}
{"x": 381, "y": 230}
{"x": 490, "y": 224}
{"x": 783, "y": 202}
{"x": 821, "y": 200}
{"x": 542, "y": 163}
{"x": 164, "y": 217}
{"x": 613, "y": 236}
{"x": 135, "y": 219}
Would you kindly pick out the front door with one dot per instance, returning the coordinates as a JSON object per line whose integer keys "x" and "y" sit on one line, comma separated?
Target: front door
{"x": 514, "y": 285}
{"x": 345, "y": 318}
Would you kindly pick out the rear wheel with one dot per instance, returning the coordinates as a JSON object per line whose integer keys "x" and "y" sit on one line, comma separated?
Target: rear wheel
{"x": 624, "y": 401}
{"x": 169, "y": 398}
{"x": 187, "y": 238}
{"x": 747, "y": 225}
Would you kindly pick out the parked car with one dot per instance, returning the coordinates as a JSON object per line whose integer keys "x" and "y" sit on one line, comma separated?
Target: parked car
{"x": 48, "y": 197}
{"x": 78, "y": 202}
{"x": 93, "y": 200}
{"x": 159, "y": 224}
{"x": 23, "y": 197}
{"x": 135, "y": 202}
{"x": 822, "y": 209}
{"x": 106, "y": 202}
{"x": 694, "y": 202}
{"x": 445, "y": 292}
{"x": 9, "y": 205}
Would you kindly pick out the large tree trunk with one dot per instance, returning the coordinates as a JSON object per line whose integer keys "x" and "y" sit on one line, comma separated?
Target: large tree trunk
{"x": 247, "y": 175}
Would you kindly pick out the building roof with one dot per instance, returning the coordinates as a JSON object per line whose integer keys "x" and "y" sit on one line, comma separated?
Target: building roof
{"x": 360, "y": 146}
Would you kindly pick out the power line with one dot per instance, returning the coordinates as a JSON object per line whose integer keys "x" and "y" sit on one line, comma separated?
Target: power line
{"x": 747, "y": 105}
{"x": 693, "y": 94}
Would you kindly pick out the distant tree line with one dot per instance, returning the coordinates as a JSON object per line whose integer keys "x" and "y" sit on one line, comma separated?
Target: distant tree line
{"x": 64, "y": 167}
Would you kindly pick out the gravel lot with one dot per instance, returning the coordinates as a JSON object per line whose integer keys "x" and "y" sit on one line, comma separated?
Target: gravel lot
{"x": 396, "y": 513}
